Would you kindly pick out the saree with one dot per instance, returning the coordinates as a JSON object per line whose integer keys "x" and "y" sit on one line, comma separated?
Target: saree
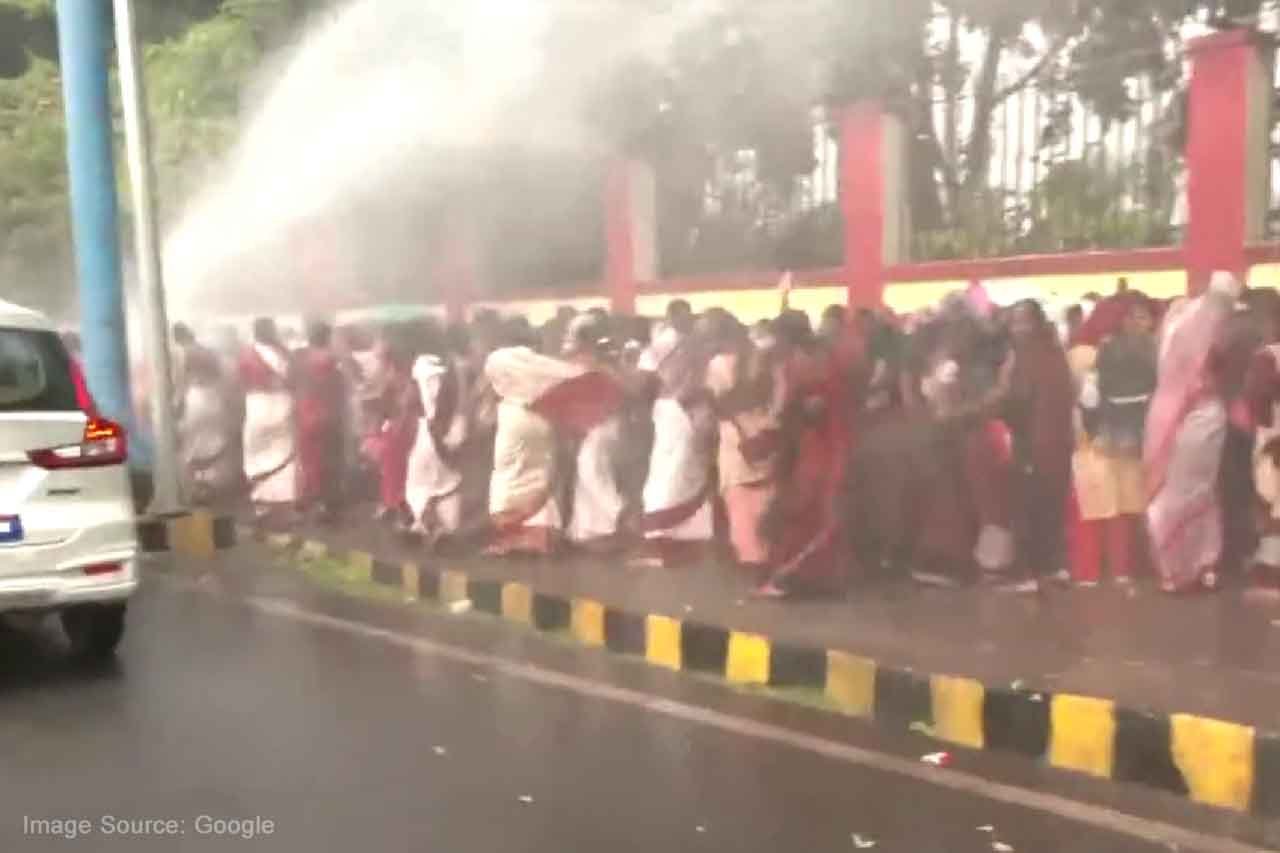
{"x": 394, "y": 408}
{"x": 270, "y": 446}
{"x": 206, "y": 427}
{"x": 320, "y": 406}
{"x": 433, "y": 481}
{"x": 746, "y": 477}
{"x": 818, "y": 431}
{"x": 1185, "y": 434}
{"x": 1039, "y": 412}
{"x": 537, "y": 395}
{"x": 597, "y": 500}
{"x": 522, "y": 508}
{"x": 677, "y": 491}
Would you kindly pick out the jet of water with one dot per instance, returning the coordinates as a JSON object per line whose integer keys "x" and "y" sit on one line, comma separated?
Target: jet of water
{"x": 388, "y": 93}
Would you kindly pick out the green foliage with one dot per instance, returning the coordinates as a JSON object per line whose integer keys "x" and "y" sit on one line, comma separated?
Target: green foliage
{"x": 200, "y": 56}
{"x": 1079, "y": 205}
{"x": 34, "y": 228}
{"x": 194, "y": 86}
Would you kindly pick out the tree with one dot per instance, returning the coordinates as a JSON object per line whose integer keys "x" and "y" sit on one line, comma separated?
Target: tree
{"x": 945, "y": 66}
{"x": 199, "y": 55}
{"x": 728, "y": 86}
{"x": 34, "y": 226}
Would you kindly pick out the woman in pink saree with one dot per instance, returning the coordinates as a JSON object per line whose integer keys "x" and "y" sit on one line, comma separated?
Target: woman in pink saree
{"x": 1186, "y": 429}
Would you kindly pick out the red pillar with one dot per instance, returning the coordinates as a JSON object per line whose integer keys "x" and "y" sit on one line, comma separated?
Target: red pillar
{"x": 630, "y": 232}
{"x": 872, "y": 160}
{"x": 1226, "y": 156}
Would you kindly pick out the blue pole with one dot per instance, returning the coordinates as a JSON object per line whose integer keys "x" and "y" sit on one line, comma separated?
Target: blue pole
{"x": 83, "y": 42}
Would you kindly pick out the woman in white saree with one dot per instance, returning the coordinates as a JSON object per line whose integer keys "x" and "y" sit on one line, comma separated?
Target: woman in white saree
{"x": 270, "y": 439}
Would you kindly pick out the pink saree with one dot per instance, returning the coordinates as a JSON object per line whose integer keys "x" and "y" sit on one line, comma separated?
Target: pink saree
{"x": 1186, "y": 428}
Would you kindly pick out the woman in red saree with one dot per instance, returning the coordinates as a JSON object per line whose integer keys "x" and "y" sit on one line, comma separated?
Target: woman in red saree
{"x": 320, "y": 402}
{"x": 803, "y": 522}
{"x": 396, "y": 403}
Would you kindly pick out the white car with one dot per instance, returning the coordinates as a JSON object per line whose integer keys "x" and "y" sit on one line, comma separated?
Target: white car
{"x": 68, "y": 533}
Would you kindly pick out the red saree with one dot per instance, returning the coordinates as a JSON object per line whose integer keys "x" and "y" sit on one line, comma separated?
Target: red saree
{"x": 818, "y": 425}
{"x": 320, "y": 407}
{"x": 399, "y": 431}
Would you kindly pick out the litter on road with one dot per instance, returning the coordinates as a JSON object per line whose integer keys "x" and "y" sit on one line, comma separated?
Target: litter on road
{"x": 862, "y": 842}
{"x": 937, "y": 759}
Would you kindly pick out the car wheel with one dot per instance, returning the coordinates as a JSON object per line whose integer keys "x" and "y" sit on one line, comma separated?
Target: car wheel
{"x": 94, "y": 630}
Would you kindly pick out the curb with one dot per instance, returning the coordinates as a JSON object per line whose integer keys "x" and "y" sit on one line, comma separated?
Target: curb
{"x": 195, "y": 534}
{"x": 1209, "y": 761}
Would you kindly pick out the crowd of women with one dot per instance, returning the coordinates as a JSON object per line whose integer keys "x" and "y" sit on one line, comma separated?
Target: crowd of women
{"x": 971, "y": 443}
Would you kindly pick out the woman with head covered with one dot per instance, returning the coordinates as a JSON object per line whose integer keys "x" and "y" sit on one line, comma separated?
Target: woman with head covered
{"x": 1185, "y": 432}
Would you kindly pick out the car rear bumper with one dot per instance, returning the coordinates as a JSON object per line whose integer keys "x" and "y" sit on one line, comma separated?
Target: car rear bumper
{"x": 68, "y": 587}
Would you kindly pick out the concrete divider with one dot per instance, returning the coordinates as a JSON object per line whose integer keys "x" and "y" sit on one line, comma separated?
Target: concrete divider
{"x": 1210, "y": 761}
{"x": 196, "y": 534}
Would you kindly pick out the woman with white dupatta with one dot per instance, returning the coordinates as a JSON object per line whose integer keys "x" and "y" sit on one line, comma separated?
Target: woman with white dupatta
{"x": 270, "y": 433}
{"x": 538, "y": 395}
{"x": 433, "y": 488}
{"x": 678, "y": 517}
{"x": 206, "y": 427}
{"x": 598, "y": 502}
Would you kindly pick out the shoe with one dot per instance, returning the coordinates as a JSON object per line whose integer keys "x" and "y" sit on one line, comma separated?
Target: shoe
{"x": 1026, "y": 587}
{"x": 1061, "y": 577}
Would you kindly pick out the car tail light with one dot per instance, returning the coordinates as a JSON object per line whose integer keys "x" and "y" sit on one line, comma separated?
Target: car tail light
{"x": 103, "y": 444}
{"x": 102, "y": 569}
{"x": 83, "y": 398}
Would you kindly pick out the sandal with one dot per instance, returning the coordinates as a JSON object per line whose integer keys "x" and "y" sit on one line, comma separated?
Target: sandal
{"x": 769, "y": 591}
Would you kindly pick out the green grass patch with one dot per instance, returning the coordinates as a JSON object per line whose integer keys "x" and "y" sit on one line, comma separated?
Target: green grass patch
{"x": 343, "y": 577}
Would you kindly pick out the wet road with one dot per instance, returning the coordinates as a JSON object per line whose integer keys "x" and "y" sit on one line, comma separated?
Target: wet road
{"x": 345, "y": 738}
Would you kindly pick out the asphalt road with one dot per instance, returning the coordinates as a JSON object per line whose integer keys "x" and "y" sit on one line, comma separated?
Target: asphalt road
{"x": 237, "y": 725}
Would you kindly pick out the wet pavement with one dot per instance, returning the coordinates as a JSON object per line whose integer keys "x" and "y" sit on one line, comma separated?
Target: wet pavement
{"x": 224, "y": 707}
{"x": 1214, "y": 655}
